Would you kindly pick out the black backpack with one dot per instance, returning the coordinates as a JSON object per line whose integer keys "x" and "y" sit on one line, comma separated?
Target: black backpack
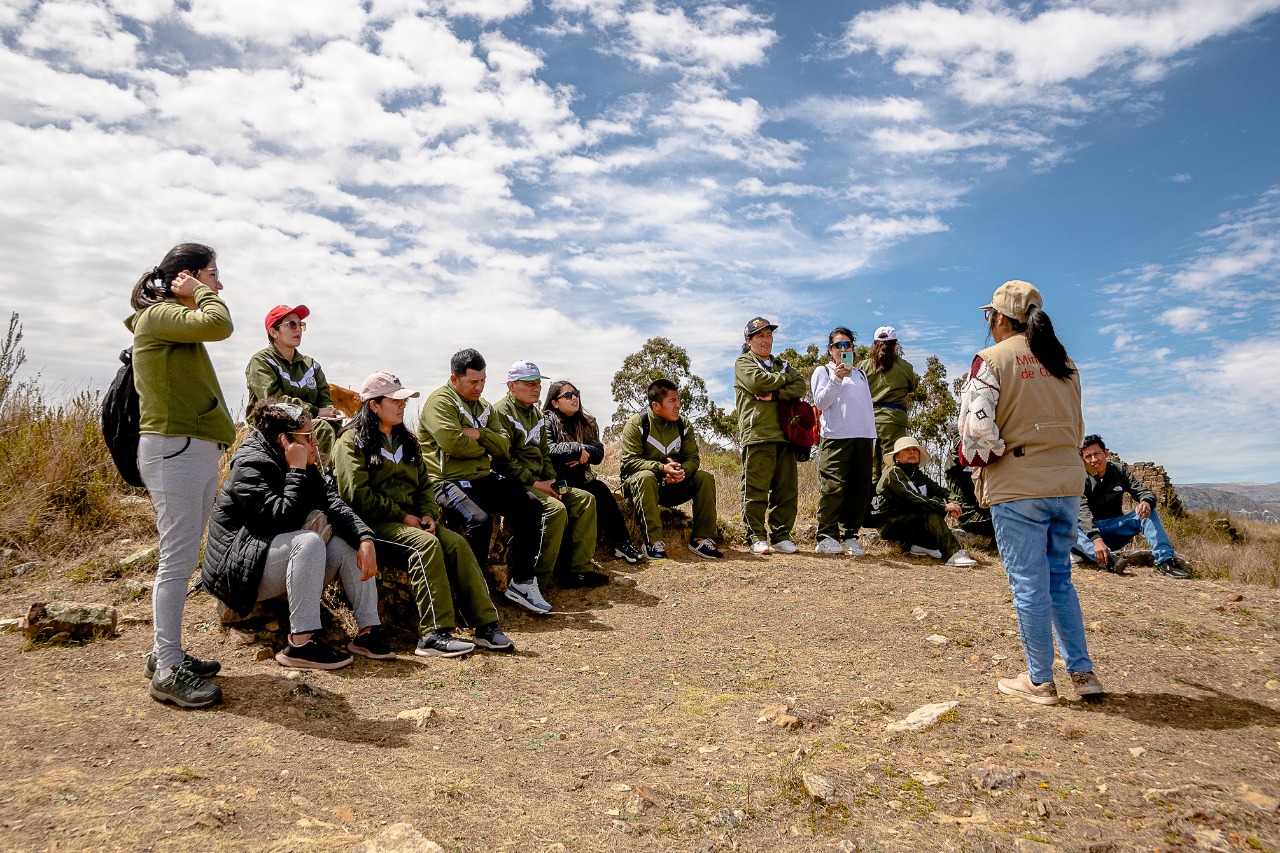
{"x": 120, "y": 421}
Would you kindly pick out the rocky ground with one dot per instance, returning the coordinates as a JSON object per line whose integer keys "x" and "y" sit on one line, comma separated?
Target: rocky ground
{"x": 749, "y": 704}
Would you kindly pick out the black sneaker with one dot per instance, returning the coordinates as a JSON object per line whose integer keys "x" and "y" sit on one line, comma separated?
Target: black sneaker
{"x": 656, "y": 551}
{"x": 1116, "y": 563}
{"x": 371, "y": 644}
{"x": 441, "y": 643}
{"x": 706, "y": 548}
{"x": 201, "y": 668}
{"x": 491, "y": 637}
{"x": 627, "y": 551}
{"x": 1173, "y": 567}
{"x": 185, "y": 689}
{"x": 573, "y": 580}
{"x": 312, "y": 654}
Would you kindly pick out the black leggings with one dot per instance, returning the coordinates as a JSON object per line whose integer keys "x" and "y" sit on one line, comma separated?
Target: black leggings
{"x": 609, "y": 521}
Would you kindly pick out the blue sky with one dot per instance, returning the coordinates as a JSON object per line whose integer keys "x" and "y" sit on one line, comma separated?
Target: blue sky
{"x": 561, "y": 180}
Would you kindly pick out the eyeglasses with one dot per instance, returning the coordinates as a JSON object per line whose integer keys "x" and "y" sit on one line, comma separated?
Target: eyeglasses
{"x": 986, "y": 314}
{"x": 309, "y": 434}
{"x": 296, "y": 325}
{"x": 569, "y": 395}
{"x": 843, "y": 345}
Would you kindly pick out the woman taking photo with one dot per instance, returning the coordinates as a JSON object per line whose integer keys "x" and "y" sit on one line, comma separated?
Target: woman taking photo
{"x": 848, "y": 431}
{"x": 184, "y": 427}
{"x": 280, "y": 371}
{"x": 891, "y": 379}
{"x": 573, "y": 440}
{"x": 279, "y": 530}
{"x": 1020, "y": 427}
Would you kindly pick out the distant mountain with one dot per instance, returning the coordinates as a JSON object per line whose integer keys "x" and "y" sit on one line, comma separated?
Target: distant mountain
{"x": 1266, "y": 493}
{"x": 1259, "y": 501}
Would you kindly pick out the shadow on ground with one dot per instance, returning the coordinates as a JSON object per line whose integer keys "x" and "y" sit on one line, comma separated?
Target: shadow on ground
{"x": 1214, "y": 712}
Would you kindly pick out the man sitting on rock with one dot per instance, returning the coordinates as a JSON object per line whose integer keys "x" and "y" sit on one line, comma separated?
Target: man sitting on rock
{"x": 1103, "y": 526}
{"x": 913, "y": 509}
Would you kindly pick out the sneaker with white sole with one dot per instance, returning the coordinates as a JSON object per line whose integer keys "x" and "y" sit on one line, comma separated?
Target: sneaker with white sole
{"x": 917, "y": 551}
{"x": 312, "y": 654}
{"x": 760, "y": 546}
{"x": 196, "y": 666}
{"x": 706, "y": 548}
{"x": 372, "y": 645}
{"x": 185, "y": 689}
{"x": 853, "y": 549}
{"x": 655, "y": 550}
{"x": 961, "y": 559}
{"x": 1024, "y": 688}
{"x": 1086, "y": 684}
{"x": 491, "y": 637}
{"x": 528, "y": 596}
{"x": 627, "y": 551}
{"x": 786, "y": 546}
{"x": 441, "y": 643}
{"x": 827, "y": 545}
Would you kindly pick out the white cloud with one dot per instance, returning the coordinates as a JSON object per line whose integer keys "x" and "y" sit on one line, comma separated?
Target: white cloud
{"x": 483, "y": 10}
{"x": 718, "y": 38}
{"x": 80, "y": 33}
{"x": 1186, "y": 318}
{"x": 276, "y": 24}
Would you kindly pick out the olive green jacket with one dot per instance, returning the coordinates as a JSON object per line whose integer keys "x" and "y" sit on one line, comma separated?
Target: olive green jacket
{"x": 385, "y": 492}
{"x": 530, "y": 458}
{"x": 666, "y": 440}
{"x": 299, "y": 381}
{"x": 904, "y": 495}
{"x": 758, "y": 420}
{"x": 448, "y": 453}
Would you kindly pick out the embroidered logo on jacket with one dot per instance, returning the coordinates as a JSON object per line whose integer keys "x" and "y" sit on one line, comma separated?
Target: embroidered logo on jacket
{"x": 308, "y": 379}
{"x": 393, "y": 457}
{"x": 666, "y": 450}
{"x": 475, "y": 423}
{"x": 531, "y": 436}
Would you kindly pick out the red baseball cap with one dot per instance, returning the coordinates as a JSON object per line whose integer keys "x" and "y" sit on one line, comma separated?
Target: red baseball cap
{"x": 275, "y": 315}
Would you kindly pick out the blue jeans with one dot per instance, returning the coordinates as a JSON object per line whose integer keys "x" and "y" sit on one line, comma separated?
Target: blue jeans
{"x": 1117, "y": 531}
{"x": 1034, "y": 536}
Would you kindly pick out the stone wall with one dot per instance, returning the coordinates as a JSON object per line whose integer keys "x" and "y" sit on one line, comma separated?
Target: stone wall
{"x": 1157, "y": 480}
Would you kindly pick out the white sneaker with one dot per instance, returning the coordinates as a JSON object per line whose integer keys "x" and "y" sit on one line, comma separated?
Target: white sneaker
{"x": 1076, "y": 559}
{"x": 760, "y": 547}
{"x": 960, "y": 558}
{"x": 853, "y": 549}
{"x": 917, "y": 551}
{"x": 786, "y": 546}
{"x": 827, "y": 545}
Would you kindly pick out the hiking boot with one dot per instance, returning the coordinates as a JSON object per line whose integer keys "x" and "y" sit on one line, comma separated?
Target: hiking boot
{"x": 575, "y": 580}
{"x": 706, "y": 548}
{"x": 371, "y": 644}
{"x": 1116, "y": 563}
{"x": 1173, "y": 568}
{"x": 827, "y": 545}
{"x": 528, "y": 596}
{"x": 627, "y": 551}
{"x": 185, "y": 689}
{"x": 786, "y": 546}
{"x": 961, "y": 560}
{"x": 656, "y": 551}
{"x": 196, "y": 666}
{"x": 491, "y": 637}
{"x": 1024, "y": 688}
{"x": 853, "y": 548}
{"x": 441, "y": 643}
{"x": 1086, "y": 684}
{"x": 760, "y": 546}
{"x": 312, "y": 654}
{"x": 917, "y": 551}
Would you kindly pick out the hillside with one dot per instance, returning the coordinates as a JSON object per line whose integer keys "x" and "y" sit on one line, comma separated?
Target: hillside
{"x": 1223, "y": 501}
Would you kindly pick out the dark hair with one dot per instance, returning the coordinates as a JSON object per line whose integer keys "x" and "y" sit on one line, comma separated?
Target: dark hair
{"x": 1093, "y": 438}
{"x": 580, "y": 426}
{"x": 274, "y": 417}
{"x": 1042, "y": 340}
{"x": 658, "y": 390}
{"x": 154, "y": 285}
{"x": 884, "y": 354}
{"x": 839, "y": 330}
{"x": 368, "y": 429}
{"x": 464, "y": 360}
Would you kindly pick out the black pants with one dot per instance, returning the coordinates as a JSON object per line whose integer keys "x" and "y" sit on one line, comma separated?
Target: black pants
{"x": 609, "y": 521}
{"x": 471, "y": 514}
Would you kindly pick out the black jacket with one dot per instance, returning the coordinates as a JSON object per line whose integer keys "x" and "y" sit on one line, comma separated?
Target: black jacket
{"x": 262, "y": 498}
{"x": 1104, "y": 496}
{"x": 563, "y": 451}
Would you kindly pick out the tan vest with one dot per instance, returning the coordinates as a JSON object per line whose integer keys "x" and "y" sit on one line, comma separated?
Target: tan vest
{"x": 1040, "y": 420}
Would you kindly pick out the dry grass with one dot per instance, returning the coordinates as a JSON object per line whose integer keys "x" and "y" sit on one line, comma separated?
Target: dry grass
{"x": 1250, "y": 556}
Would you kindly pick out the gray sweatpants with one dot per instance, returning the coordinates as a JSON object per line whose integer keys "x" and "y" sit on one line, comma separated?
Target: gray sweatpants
{"x": 181, "y": 475}
{"x": 299, "y": 566}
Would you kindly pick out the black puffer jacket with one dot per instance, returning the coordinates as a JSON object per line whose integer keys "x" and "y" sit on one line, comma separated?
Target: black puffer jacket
{"x": 563, "y": 451}
{"x": 262, "y": 498}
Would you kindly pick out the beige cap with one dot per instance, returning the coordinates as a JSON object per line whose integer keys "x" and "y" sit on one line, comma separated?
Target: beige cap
{"x": 1015, "y": 299}
{"x": 383, "y": 384}
{"x": 901, "y": 445}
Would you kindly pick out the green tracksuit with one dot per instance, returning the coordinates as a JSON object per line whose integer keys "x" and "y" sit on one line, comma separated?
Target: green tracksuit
{"x": 890, "y": 396}
{"x": 643, "y": 477}
{"x": 770, "y": 483}
{"x": 449, "y": 454}
{"x": 300, "y": 381}
{"x": 913, "y": 510}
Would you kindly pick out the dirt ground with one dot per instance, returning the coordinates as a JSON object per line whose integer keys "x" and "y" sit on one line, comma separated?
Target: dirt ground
{"x": 631, "y": 721}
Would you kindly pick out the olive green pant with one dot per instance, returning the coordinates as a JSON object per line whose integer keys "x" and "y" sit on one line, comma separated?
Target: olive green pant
{"x": 770, "y": 487}
{"x": 928, "y": 530}
{"x": 891, "y": 425}
{"x": 574, "y": 517}
{"x": 647, "y": 492}
{"x": 844, "y": 485}
{"x": 441, "y": 566}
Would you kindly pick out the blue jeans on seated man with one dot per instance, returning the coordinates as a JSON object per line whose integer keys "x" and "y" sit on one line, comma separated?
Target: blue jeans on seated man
{"x": 1116, "y": 532}
{"x": 1034, "y": 536}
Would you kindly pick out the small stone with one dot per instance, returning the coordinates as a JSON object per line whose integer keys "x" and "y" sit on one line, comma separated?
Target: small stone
{"x": 708, "y": 749}
{"x": 929, "y": 779}
{"x": 936, "y": 640}
{"x": 1272, "y": 684}
{"x": 787, "y": 721}
{"x": 1042, "y": 809}
{"x": 1137, "y": 751}
{"x": 140, "y": 556}
{"x": 60, "y": 639}
{"x": 1026, "y": 845}
{"x": 919, "y": 613}
{"x": 728, "y": 817}
{"x": 81, "y": 620}
{"x": 1265, "y": 657}
{"x": 623, "y": 827}
{"x": 1258, "y": 799}
{"x": 819, "y": 788}
{"x": 398, "y": 838}
{"x": 12, "y": 624}
{"x": 23, "y": 568}
{"x": 1102, "y": 847}
{"x": 263, "y": 653}
{"x": 1235, "y": 598}
{"x": 771, "y": 712}
{"x": 992, "y": 776}
{"x": 1165, "y": 795}
{"x": 419, "y": 716}
{"x": 624, "y": 580}
{"x": 924, "y": 717}
{"x": 706, "y": 846}
{"x": 1098, "y": 626}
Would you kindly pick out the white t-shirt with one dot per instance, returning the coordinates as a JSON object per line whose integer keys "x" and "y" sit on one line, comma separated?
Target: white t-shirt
{"x": 845, "y": 403}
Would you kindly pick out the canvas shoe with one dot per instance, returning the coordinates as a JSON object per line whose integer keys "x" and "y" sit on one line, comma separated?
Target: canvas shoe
{"x": 706, "y": 548}
{"x": 185, "y": 689}
{"x": 1024, "y": 688}
{"x": 528, "y": 596}
{"x": 961, "y": 559}
{"x": 312, "y": 654}
{"x": 1086, "y": 684}
{"x": 491, "y": 637}
{"x": 371, "y": 644}
{"x": 441, "y": 643}
{"x": 760, "y": 546}
{"x": 627, "y": 551}
{"x": 917, "y": 551}
{"x": 786, "y": 546}
{"x": 827, "y": 545}
{"x": 656, "y": 550}
{"x": 201, "y": 668}
{"x": 853, "y": 548}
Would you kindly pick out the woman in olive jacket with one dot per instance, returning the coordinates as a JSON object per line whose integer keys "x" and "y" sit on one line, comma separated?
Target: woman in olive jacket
{"x": 279, "y": 529}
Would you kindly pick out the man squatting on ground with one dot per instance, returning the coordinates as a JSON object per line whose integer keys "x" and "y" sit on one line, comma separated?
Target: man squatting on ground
{"x": 1102, "y": 524}
{"x": 660, "y": 468}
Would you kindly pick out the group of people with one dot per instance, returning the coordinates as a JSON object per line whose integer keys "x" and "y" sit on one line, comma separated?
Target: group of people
{"x": 281, "y": 527}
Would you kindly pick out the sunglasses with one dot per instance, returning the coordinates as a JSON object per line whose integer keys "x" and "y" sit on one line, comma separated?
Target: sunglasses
{"x": 296, "y": 325}
{"x": 569, "y": 395}
{"x": 986, "y": 314}
{"x": 843, "y": 345}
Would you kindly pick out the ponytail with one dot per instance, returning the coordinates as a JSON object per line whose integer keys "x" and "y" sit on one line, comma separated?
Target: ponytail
{"x": 1045, "y": 345}
{"x": 154, "y": 284}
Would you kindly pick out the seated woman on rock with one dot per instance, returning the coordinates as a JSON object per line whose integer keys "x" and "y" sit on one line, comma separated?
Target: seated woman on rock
{"x": 913, "y": 509}
{"x": 280, "y": 530}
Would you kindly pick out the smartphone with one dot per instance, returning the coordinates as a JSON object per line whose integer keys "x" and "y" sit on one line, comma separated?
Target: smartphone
{"x": 847, "y": 358}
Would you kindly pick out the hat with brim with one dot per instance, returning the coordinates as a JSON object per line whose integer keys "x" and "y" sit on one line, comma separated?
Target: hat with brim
{"x": 383, "y": 384}
{"x": 524, "y": 371}
{"x": 1015, "y": 299}
{"x": 275, "y": 315}
{"x": 757, "y": 324}
{"x": 902, "y": 444}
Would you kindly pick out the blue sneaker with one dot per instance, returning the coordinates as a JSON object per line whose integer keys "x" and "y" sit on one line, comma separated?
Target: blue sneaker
{"x": 528, "y": 596}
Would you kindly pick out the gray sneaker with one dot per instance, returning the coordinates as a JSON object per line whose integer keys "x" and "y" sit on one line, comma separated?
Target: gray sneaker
{"x": 185, "y": 689}
{"x": 528, "y": 596}
{"x": 202, "y": 668}
{"x": 441, "y": 643}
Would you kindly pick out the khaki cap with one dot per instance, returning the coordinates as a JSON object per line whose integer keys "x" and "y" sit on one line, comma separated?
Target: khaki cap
{"x": 1015, "y": 299}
